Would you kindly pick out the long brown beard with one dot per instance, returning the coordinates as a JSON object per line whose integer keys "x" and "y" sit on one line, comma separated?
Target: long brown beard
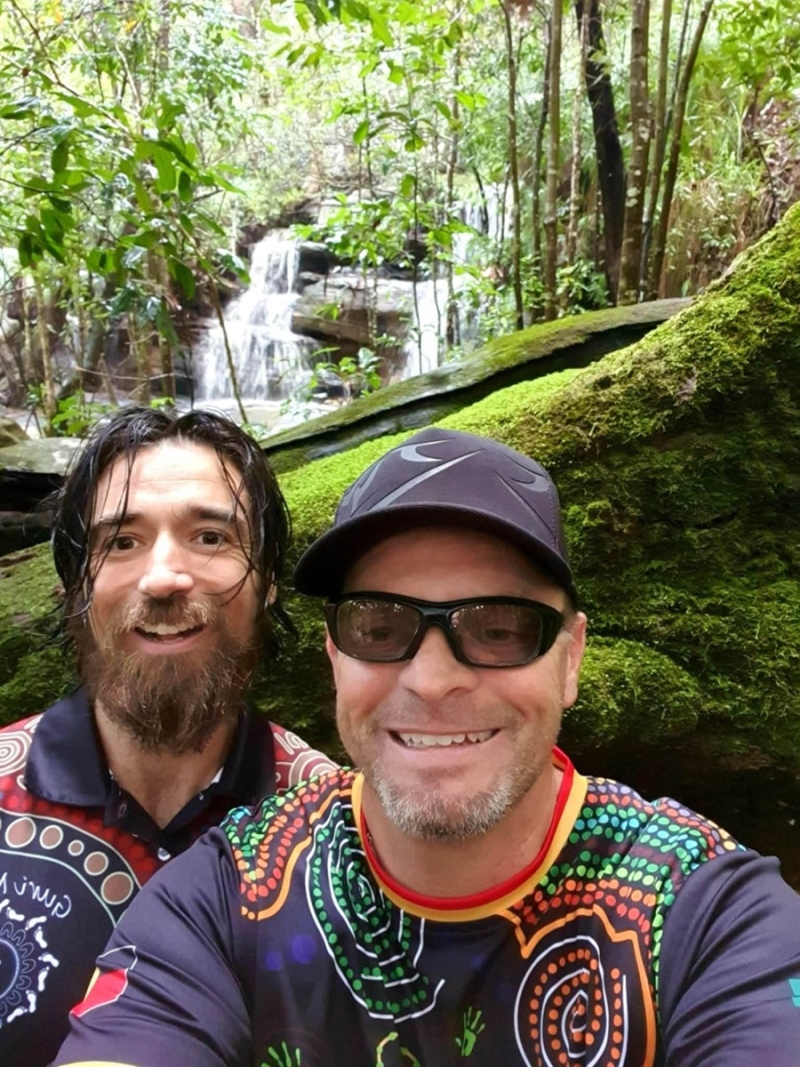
{"x": 171, "y": 702}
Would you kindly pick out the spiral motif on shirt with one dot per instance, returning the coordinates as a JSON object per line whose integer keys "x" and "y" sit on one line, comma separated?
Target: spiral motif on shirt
{"x": 574, "y": 1006}
{"x": 374, "y": 945}
{"x": 14, "y": 747}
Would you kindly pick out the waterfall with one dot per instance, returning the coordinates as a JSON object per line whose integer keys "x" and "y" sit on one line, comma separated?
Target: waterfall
{"x": 271, "y": 361}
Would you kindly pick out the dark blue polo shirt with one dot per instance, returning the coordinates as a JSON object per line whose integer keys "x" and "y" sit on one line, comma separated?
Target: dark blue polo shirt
{"x": 75, "y": 849}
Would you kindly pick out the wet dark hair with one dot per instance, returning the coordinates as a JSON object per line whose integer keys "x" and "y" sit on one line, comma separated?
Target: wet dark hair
{"x": 123, "y": 435}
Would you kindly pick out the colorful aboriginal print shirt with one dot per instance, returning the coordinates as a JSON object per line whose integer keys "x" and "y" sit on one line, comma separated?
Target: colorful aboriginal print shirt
{"x": 641, "y": 935}
{"x": 75, "y": 849}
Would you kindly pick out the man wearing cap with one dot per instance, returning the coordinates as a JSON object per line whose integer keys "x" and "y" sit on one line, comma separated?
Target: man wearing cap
{"x": 465, "y": 893}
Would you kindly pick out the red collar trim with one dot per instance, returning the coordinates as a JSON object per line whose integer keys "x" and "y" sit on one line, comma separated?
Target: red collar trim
{"x": 497, "y": 892}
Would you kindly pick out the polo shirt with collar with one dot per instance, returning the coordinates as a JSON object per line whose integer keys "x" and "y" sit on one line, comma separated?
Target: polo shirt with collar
{"x": 75, "y": 849}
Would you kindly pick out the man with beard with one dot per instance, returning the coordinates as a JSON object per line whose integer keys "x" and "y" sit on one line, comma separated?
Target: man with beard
{"x": 466, "y": 894}
{"x": 169, "y": 536}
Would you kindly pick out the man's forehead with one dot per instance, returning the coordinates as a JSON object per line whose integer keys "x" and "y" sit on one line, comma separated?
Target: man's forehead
{"x": 175, "y": 467}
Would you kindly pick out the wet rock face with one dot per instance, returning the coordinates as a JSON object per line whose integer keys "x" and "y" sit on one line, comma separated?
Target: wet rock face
{"x": 30, "y": 470}
{"x": 10, "y": 432}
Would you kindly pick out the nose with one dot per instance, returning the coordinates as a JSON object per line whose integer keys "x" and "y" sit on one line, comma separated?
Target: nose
{"x": 167, "y": 570}
{"x": 434, "y": 672}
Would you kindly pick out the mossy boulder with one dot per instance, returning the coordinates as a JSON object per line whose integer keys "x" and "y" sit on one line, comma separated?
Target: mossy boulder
{"x": 35, "y": 668}
{"x": 678, "y": 463}
{"x": 574, "y": 341}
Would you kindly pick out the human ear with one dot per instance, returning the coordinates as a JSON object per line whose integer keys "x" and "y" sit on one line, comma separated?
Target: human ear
{"x": 576, "y": 646}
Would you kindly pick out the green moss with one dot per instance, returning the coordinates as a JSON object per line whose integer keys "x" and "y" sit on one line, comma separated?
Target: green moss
{"x": 430, "y": 397}
{"x": 34, "y": 668}
{"x": 629, "y": 689}
{"x": 678, "y": 464}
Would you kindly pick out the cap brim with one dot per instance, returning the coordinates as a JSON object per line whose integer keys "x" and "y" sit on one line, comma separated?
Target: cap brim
{"x": 323, "y": 567}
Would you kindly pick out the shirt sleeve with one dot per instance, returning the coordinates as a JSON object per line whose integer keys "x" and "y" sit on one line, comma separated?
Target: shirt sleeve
{"x": 166, "y": 991}
{"x": 729, "y": 978}
{"x": 296, "y": 761}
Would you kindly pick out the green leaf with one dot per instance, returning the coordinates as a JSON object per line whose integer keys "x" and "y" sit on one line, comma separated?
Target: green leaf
{"x": 61, "y": 205}
{"x": 60, "y": 156}
{"x": 99, "y": 260}
{"x": 185, "y": 186}
{"x": 407, "y": 186}
{"x": 23, "y": 108}
{"x": 221, "y": 183}
{"x": 380, "y": 29}
{"x": 465, "y": 99}
{"x": 26, "y": 250}
{"x": 362, "y": 132}
{"x": 273, "y": 27}
{"x": 121, "y": 302}
{"x": 177, "y": 150}
{"x": 184, "y": 277}
{"x": 133, "y": 257}
{"x": 143, "y": 149}
{"x": 145, "y": 239}
{"x": 143, "y": 197}
{"x": 396, "y": 74}
{"x": 165, "y": 183}
{"x": 414, "y": 142}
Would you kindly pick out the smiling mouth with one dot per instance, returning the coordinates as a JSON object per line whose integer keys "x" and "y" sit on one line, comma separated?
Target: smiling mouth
{"x": 417, "y": 740}
{"x": 164, "y": 632}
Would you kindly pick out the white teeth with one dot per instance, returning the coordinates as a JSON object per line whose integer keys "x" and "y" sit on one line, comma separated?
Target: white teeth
{"x": 163, "y": 630}
{"x": 443, "y": 740}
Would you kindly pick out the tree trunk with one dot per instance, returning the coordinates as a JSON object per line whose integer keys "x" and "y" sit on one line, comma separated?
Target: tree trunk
{"x": 575, "y": 169}
{"x": 538, "y": 153}
{"x": 660, "y": 132}
{"x": 610, "y": 163}
{"x": 214, "y": 295}
{"x": 640, "y": 146}
{"x": 48, "y": 385}
{"x": 451, "y": 318}
{"x": 671, "y": 174}
{"x": 551, "y": 189}
{"x": 513, "y": 161}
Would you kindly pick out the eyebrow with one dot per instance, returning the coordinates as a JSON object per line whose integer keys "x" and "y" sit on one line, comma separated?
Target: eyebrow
{"x": 194, "y": 512}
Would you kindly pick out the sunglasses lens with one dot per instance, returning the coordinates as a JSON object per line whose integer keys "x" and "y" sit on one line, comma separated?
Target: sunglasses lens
{"x": 498, "y": 635}
{"x": 376, "y": 630}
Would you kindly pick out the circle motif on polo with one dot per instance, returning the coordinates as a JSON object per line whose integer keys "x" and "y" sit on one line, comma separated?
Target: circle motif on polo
{"x": 373, "y": 944}
{"x": 573, "y": 1005}
{"x": 20, "y": 832}
{"x": 116, "y": 888}
{"x": 51, "y": 836}
{"x": 24, "y": 962}
{"x": 14, "y": 746}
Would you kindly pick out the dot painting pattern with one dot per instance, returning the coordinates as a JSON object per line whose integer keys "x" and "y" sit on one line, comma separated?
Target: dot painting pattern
{"x": 578, "y": 1001}
{"x": 584, "y": 940}
{"x": 371, "y": 942}
{"x": 71, "y": 837}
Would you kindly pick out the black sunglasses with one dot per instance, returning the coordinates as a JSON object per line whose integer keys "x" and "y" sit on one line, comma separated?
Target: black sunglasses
{"x": 492, "y": 631}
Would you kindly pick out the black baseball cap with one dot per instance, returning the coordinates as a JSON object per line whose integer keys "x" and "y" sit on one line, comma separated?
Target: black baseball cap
{"x": 442, "y": 478}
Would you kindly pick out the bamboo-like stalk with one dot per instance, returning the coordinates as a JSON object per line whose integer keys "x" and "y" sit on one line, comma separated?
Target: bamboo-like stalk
{"x": 551, "y": 189}
{"x": 640, "y": 149}
{"x": 671, "y": 174}
{"x": 226, "y": 342}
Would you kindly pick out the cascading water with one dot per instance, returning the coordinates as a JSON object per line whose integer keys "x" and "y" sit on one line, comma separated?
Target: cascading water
{"x": 271, "y": 362}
